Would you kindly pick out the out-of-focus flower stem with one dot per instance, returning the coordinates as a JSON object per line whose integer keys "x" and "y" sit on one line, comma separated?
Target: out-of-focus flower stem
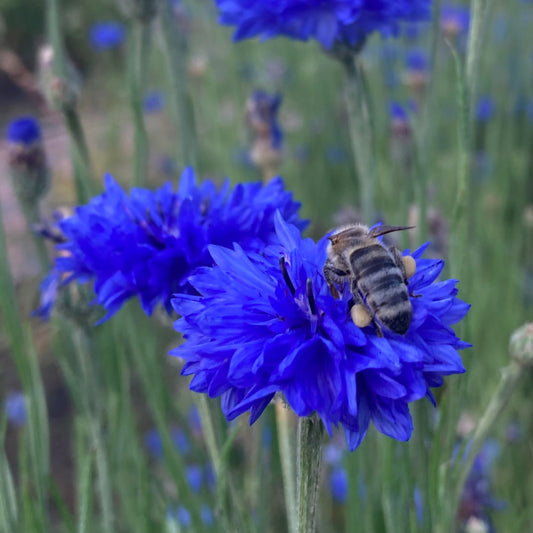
{"x": 80, "y": 155}
{"x": 466, "y": 93}
{"x": 175, "y": 49}
{"x": 286, "y": 450}
{"x": 360, "y": 125}
{"x": 138, "y": 65}
{"x": 89, "y": 393}
{"x": 80, "y": 151}
{"x": 425, "y": 144}
{"x": 32, "y": 214}
{"x": 308, "y": 470}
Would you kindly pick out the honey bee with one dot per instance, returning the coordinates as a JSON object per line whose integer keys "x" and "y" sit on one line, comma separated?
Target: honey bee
{"x": 377, "y": 274}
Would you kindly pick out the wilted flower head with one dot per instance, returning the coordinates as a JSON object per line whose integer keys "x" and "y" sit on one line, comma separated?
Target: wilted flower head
{"x": 27, "y": 159}
{"x": 262, "y": 119}
{"x": 327, "y": 21}
{"x": 266, "y": 324}
{"x": 146, "y": 244}
{"x": 107, "y": 35}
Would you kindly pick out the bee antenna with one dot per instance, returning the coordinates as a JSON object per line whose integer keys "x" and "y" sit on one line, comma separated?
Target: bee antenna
{"x": 382, "y": 230}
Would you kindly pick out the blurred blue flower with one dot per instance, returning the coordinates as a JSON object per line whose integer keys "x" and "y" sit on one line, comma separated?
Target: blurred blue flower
{"x": 267, "y": 324}
{"x": 195, "y": 477}
{"x": 485, "y": 109}
{"x": 326, "y": 21}
{"x": 417, "y": 59}
{"x": 338, "y": 484}
{"x": 419, "y": 505}
{"x": 154, "y": 101}
{"x": 107, "y": 35}
{"x": 262, "y": 116}
{"x": 333, "y": 453}
{"x": 336, "y": 154}
{"x": 154, "y": 442}
{"x": 397, "y": 112}
{"x": 16, "y": 409}
{"x": 181, "y": 515}
{"x": 477, "y": 499}
{"x": 146, "y": 244}
{"x": 454, "y": 19}
{"x": 206, "y": 515}
{"x": 24, "y": 130}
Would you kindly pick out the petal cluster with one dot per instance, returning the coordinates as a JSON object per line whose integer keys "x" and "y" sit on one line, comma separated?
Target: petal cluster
{"x": 326, "y": 21}
{"x": 267, "y": 323}
{"x": 147, "y": 243}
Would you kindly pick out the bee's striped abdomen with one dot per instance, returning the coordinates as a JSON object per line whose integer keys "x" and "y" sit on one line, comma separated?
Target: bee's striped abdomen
{"x": 381, "y": 283}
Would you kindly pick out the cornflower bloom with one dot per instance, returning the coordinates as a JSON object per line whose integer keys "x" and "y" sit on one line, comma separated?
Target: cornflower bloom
{"x": 107, "y": 35}
{"x": 267, "y": 324}
{"x": 348, "y": 22}
{"x": 146, "y": 244}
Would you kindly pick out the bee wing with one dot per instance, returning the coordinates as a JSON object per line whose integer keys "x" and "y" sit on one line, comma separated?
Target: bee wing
{"x": 382, "y": 230}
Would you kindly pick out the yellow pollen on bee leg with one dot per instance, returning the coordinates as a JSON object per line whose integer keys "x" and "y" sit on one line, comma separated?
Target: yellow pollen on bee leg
{"x": 410, "y": 265}
{"x": 360, "y": 316}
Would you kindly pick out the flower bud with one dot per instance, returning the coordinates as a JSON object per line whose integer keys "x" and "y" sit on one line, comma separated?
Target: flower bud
{"x": 27, "y": 160}
{"x": 62, "y": 92}
{"x": 521, "y": 345}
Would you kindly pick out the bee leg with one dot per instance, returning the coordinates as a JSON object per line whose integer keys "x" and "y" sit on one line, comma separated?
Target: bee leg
{"x": 405, "y": 263}
{"x": 333, "y": 275}
{"x": 360, "y": 312}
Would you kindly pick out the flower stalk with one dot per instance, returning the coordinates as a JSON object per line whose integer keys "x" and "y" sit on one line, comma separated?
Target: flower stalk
{"x": 138, "y": 65}
{"x": 360, "y": 125}
{"x": 309, "y": 459}
{"x": 287, "y": 464}
{"x": 175, "y": 49}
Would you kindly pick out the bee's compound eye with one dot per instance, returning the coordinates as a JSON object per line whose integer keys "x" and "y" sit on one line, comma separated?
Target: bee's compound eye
{"x": 360, "y": 316}
{"x": 410, "y": 265}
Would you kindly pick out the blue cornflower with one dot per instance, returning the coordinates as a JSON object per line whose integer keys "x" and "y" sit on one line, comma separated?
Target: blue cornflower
{"x": 454, "y": 19}
{"x": 338, "y": 484}
{"x": 267, "y": 324}
{"x": 397, "y": 112}
{"x": 262, "y": 116}
{"x": 195, "y": 477}
{"x": 417, "y": 59}
{"x": 154, "y": 442}
{"x": 15, "y": 408}
{"x": 146, "y": 244}
{"x": 485, "y": 109}
{"x": 107, "y": 35}
{"x": 326, "y": 21}
{"x": 154, "y": 101}
{"x": 24, "y": 130}
{"x": 419, "y": 505}
{"x": 477, "y": 499}
{"x": 206, "y": 515}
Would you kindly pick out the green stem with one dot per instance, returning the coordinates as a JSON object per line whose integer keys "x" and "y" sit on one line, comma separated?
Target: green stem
{"x": 175, "y": 48}
{"x": 139, "y": 63}
{"x": 81, "y": 159}
{"x": 89, "y": 396}
{"x": 309, "y": 459}
{"x": 209, "y": 430}
{"x": 357, "y": 103}
{"x": 33, "y": 216}
{"x": 286, "y": 450}
{"x": 507, "y": 386}
{"x": 426, "y": 131}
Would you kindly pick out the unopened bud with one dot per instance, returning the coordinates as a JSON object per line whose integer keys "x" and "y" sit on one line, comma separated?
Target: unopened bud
{"x": 62, "y": 92}
{"x": 521, "y": 345}
{"x": 27, "y": 160}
